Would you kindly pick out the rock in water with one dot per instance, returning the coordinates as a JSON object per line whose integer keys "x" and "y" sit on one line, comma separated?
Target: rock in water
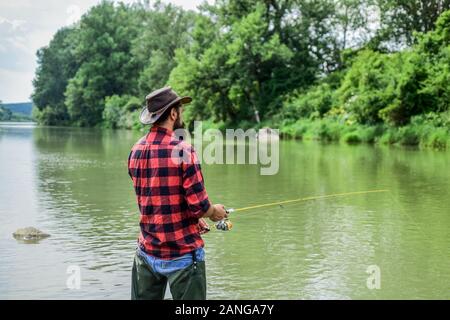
{"x": 29, "y": 233}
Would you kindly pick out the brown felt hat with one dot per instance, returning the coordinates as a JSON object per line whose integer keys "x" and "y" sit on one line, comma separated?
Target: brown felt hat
{"x": 159, "y": 101}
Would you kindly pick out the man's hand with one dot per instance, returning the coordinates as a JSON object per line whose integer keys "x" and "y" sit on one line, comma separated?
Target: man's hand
{"x": 203, "y": 225}
{"x": 219, "y": 213}
{"x": 216, "y": 212}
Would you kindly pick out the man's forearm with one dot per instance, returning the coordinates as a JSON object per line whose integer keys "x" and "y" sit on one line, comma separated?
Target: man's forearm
{"x": 210, "y": 211}
{"x": 216, "y": 212}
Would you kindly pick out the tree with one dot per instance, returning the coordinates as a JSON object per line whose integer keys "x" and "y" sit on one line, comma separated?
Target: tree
{"x": 56, "y": 66}
{"x": 164, "y": 29}
{"x": 105, "y": 37}
{"x": 400, "y": 19}
{"x": 260, "y": 51}
{"x": 424, "y": 84}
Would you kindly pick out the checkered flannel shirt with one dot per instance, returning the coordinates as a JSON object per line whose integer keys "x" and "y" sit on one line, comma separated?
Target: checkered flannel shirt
{"x": 170, "y": 192}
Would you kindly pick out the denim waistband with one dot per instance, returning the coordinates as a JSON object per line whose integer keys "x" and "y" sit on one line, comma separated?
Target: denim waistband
{"x": 166, "y": 267}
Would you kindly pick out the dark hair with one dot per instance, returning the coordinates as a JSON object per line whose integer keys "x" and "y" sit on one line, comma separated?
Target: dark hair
{"x": 166, "y": 113}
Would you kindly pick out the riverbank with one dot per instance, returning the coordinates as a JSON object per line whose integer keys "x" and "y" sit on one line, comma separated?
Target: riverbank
{"x": 424, "y": 132}
{"x": 419, "y": 135}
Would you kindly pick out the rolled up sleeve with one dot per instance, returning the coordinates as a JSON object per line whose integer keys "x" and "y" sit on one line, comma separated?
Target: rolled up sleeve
{"x": 194, "y": 186}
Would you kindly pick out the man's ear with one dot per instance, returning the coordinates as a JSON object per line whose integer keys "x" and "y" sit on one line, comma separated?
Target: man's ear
{"x": 173, "y": 114}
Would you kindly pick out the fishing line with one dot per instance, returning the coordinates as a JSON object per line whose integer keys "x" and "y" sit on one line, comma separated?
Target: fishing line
{"x": 307, "y": 199}
{"x": 226, "y": 224}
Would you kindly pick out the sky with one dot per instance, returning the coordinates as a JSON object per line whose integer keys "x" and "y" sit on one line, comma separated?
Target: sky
{"x": 26, "y": 26}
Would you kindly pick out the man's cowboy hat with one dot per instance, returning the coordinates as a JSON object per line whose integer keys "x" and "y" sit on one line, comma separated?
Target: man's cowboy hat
{"x": 159, "y": 101}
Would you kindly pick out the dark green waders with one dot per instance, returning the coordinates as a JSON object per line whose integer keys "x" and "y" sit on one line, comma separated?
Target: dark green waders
{"x": 185, "y": 284}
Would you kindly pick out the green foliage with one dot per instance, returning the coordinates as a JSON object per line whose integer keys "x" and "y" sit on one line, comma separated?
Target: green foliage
{"x": 438, "y": 139}
{"x": 435, "y": 46}
{"x": 121, "y": 112}
{"x": 5, "y": 114}
{"x": 422, "y": 135}
{"x": 115, "y": 49}
{"x": 352, "y": 137}
{"x": 424, "y": 77}
{"x": 325, "y": 130}
{"x": 409, "y": 136}
{"x": 369, "y": 85}
{"x": 164, "y": 31}
{"x": 433, "y": 119}
{"x": 313, "y": 68}
{"x": 369, "y": 134}
{"x": 105, "y": 38}
{"x": 410, "y": 99}
{"x": 49, "y": 116}
{"x": 56, "y": 66}
{"x": 386, "y": 88}
{"x": 401, "y": 19}
{"x": 250, "y": 58}
{"x": 314, "y": 102}
{"x": 114, "y": 109}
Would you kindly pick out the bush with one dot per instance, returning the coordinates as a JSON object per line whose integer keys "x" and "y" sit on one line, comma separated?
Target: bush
{"x": 369, "y": 86}
{"x": 327, "y": 130}
{"x": 313, "y": 103}
{"x": 122, "y": 112}
{"x": 300, "y": 129}
{"x": 432, "y": 119}
{"x": 370, "y": 134}
{"x": 352, "y": 137}
{"x": 388, "y": 137}
{"x": 423, "y": 135}
{"x": 113, "y": 111}
{"x": 410, "y": 99}
{"x": 51, "y": 116}
{"x": 439, "y": 139}
{"x": 409, "y": 136}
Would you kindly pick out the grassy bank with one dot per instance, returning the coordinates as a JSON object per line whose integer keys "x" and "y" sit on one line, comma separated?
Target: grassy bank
{"x": 422, "y": 135}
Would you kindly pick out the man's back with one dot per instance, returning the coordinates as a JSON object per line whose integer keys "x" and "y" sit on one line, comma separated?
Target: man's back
{"x": 172, "y": 198}
{"x": 170, "y": 193}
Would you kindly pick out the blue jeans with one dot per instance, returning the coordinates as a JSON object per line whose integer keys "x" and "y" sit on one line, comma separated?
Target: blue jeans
{"x": 166, "y": 267}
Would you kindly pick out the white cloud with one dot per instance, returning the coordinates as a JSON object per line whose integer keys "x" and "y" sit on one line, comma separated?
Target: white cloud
{"x": 26, "y": 26}
{"x": 15, "y": 24}
{"x": 16, "y": 86}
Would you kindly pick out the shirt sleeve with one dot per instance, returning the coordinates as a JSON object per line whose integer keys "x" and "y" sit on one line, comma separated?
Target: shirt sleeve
{"x": 193, "y": 185}
{"x": 128, "y": 164}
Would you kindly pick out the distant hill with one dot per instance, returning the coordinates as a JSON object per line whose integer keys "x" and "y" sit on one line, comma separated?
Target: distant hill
{"x": 20, "y": 107}
{"x": 15, "y": 111}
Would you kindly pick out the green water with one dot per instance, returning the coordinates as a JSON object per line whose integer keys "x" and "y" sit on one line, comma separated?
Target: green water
{"x": 73, "y": 184}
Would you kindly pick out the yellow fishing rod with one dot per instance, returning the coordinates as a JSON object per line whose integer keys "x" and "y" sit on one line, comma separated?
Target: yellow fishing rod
{"x": 226, "y": 225}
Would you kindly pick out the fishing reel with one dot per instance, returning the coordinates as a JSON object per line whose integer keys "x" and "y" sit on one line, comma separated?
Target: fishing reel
{"x": 225, "y": 224}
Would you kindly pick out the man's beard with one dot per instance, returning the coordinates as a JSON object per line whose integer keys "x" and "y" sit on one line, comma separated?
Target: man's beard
{"x": 178, "y": 124}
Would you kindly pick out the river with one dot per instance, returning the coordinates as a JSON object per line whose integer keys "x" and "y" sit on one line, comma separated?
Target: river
{"x": 73, "y": 184}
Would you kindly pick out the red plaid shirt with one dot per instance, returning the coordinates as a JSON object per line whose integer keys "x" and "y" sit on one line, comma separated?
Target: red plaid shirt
{"x": 170, "y": 193}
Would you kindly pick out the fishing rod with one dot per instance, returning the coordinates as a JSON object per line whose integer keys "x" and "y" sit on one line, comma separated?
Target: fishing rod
{"x": 226, "y": 225}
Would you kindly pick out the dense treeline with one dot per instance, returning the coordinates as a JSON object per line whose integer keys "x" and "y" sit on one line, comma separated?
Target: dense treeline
{"x": 356, "y": 70}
